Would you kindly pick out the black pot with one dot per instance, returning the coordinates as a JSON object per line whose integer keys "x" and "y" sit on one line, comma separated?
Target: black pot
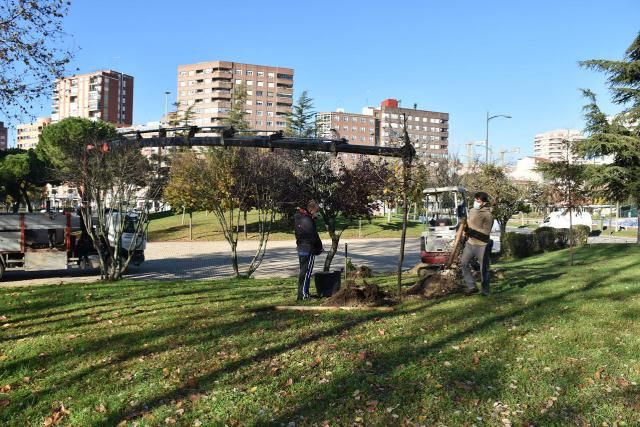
{"x": 327, "y": 282}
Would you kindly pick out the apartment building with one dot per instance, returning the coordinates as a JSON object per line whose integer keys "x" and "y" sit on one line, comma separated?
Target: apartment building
{"x": 383, "y": 126}
{"x": 208, "y": 88}
{"x": 28, "y": 134}
{"x": 4, "y": 135}
{"x": 550, "y": 145}
{"x": 106, "y": 95}
{"x": 428, "y": 130}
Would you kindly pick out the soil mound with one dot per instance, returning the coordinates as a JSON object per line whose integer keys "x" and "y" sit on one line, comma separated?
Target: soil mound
{"x": 436, "y": 285}
{"x": 353, "y": 296}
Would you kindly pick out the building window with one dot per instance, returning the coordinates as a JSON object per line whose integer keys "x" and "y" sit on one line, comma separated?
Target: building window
{"x": 269, "y": 123}
{"x": 249, "y": 72}
{"x": 271, "y": 84}
{"x": 271, "y": 75}
{"x": 260, "y": 73}
{"x": 259, "y": 102}
{"x": 238, "y": 81}
{"x": 285, "y": 76}
{"x": 269, "y": 104}
{"x": 191, "y": 73}
{"x": 270, "y": 113}
{"x": 248, "y": 111}
{"x": 249, "y": 82}
{"x": 259, "y": 113}
{"x": 259, "y": 93}
{"x": 260, "y": 84}
{"x": 238, "y": 72}
{"x": 249, "y": 92}
{"x": 249, "y": 102}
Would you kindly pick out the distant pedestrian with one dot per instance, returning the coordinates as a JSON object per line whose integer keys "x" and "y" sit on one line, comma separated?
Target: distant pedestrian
{"x": 308, "y": 244}
{"x": 478, "y": 232}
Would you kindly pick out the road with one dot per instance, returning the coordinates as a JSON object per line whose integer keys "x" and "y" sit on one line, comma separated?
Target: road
{"x": 167, "y": 261}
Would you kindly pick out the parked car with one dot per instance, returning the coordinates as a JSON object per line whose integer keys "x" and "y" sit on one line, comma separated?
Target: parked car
{"x": 560, "y": 219}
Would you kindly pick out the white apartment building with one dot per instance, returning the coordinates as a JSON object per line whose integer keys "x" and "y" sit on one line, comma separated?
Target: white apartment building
{"x": 28, "y": 134}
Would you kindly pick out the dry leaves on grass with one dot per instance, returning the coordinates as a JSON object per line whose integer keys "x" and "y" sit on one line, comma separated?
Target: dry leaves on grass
{"x": 59, "y": 412}
{"x": 101, "y": 408}
{"x": 5, "y": 389}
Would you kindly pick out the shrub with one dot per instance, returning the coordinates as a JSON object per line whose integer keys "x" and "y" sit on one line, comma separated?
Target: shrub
{"x": 545, "y": 239}
{"x": 580, "y": 234}
{"x": 562, "y": 237}
{"x": 516, "y": 245}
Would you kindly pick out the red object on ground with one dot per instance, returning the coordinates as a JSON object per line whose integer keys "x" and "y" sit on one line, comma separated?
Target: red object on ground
{"x": 434, "y": 257}
{"x": 390, "y": 102}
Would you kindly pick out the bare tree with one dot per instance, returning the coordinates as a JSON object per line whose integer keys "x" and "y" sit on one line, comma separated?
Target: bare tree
{"x": 32, "y": 51}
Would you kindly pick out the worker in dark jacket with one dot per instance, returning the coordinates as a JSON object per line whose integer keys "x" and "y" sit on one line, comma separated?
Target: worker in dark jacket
{"x": 478, "y": 232}
{"x": 308, "y": 244}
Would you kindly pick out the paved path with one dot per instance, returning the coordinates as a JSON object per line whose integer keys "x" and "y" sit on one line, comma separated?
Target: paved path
{"x": 210, "y": 260}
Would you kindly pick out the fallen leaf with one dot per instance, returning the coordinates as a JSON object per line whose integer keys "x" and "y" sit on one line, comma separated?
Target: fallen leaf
{"x": 192, "y": 382}
{"x": 463, "y": 385}
{"x": 290, "y": 381}
{"x": 5, "y": 388}
{"x": 165, "y": 372}
{"x": 381, "y": 331}
{"x": 316, "y": 362}
{"x": 475, "y": 360}
{"x": 101, "y": 408}
{"x": 194, "y": 397}
{"x": 169, "y": 420}
{"x": 362, "y": 355}
{"x": 4, "y": 402}
{"x": 623, "y": 383}
{"x": 253, "y": 389}
{"x": 180, "y": 411}
{"x": 59, "y": 412}
{"x": 26, "y": 379}
{"x": 598, "y": 374}
{"x": 197, "y": 423}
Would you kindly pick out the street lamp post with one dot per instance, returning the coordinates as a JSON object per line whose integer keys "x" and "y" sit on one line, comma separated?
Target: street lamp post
{"x": 166, "y": 104}
{"x": 486, "y": 141}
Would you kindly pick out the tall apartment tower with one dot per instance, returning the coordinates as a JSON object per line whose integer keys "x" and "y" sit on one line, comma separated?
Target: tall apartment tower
{"x": 4, "y": 135}
{"x": 208, "y": 87}
{"x": 28, "y": 134}
{"x": 549, "y": 145}
{"x": 383, "y": 126}
{"x": 106, "y": 95}
{"x": 428, "y": 130}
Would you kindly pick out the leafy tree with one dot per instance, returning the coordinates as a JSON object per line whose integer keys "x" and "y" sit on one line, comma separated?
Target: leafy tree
{"x": 32, "y": 51}
{"x": 618, "y": 138}
{"x": 237, "y": 113}
{"x": 344, "y": 194}
{"x": 21, "y": 176}
{"x": 187, "y": 187}
{"x": 301, "y": 120}
{"x": 506, "y": 197}
{"x": 567, "y": 186}
{"x": 113, "y": 178}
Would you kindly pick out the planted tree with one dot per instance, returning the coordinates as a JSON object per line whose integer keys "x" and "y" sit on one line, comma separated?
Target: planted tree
{"x": 32, "y": 50}
{"x": 301, "y": 120}
{"x": 567, "y": 187}
{"x": 21, "y": 177}
{"x": 619, "y": 138}
{"x": 187, "y": 188}
{"x": 112, "y": 181}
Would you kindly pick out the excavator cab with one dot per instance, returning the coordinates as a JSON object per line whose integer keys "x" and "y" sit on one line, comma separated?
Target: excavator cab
{"x": 445, "y": 209}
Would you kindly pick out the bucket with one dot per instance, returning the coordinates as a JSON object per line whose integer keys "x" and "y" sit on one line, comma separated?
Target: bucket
{"x": 327, "y": 282}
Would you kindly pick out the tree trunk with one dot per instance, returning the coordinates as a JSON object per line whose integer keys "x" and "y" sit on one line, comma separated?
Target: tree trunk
{"x": 245, "y": 224}
{"x": 190, "y": 225}
{"x": 405, "y": 214}
{"x": 183, "y": 209}
{"x": 570, "y": 236}
{"x": 335, "y": 240}
{"x": 234, "y": 258}
{"x": 27, "y": 201}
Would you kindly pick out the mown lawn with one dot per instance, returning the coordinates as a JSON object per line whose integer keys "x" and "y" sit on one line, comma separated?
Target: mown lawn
{"x": 554, "y": 345}
{"x": 206, "y": 227}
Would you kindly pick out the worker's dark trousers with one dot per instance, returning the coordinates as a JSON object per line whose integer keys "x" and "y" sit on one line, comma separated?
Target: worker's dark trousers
{"x": 304, "y": 278}
{"x": 486, "y": 264}
{"x": 477, "y": 252}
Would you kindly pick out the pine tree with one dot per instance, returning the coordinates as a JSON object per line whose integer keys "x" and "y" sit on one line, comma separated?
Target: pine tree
{"x": 301, "y": 120}
{"x": 618, "y": 138}
{"x": 237, "y": 112}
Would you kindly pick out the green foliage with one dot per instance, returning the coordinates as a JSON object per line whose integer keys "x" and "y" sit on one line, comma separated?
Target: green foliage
{"x": 236, "y": 116}
{"x": 64, "y": 144}
{"x": 517, "y": 245}
{"x": 620, "y": 137}
{"x": 21, "y": 174}
{"x": 301, "y": 120}
{"x": 546, "y": 239}
{"x": 581, "y": 234}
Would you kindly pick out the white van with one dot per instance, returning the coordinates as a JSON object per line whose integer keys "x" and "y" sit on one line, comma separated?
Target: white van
{"x": 560, "y": 219}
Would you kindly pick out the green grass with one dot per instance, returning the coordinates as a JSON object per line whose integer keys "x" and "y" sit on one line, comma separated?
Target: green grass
{"x": 206, "y": 227}
{"x": 554, "y": 345}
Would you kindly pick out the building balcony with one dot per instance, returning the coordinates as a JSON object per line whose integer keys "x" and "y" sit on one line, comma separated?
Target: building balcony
{"x": 221, "y": 84}
{"x": 221, "y": 74}
{"x": 220, "y": 94}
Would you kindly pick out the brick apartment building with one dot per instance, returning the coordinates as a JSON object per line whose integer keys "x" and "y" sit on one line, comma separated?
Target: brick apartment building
{"x": 105, "y": 95}
{"x": 207, "y": 88}
{"x": 4, "y": 135}
{"x": 428, "y": 130}
{"x": 28, "y": 134}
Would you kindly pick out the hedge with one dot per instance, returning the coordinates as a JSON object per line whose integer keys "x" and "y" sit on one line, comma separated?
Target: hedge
{"x": 543, "y": 239}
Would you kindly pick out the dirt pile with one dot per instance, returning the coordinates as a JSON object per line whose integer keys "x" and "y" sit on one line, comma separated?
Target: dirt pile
{"x": 354, "y": 296}
{"x": 436, "y": 285}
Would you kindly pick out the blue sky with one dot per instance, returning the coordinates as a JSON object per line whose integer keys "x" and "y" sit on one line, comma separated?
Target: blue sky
{"x": 461, "y": 57}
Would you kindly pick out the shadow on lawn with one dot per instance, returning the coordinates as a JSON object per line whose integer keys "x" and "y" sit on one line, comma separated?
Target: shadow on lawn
{"x": 390, "y": 369}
